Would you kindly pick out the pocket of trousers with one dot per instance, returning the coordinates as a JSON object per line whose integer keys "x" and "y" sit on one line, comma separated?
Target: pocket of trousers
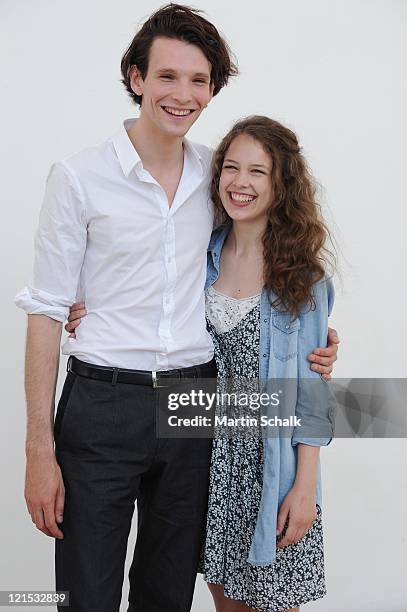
{"x": 64, "y": 401}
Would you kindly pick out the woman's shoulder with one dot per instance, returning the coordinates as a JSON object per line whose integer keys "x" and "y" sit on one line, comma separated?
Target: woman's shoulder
{"x": 323, "y": 297}
{"x": 218, "y": 235}
{"x": 324, "y": 292}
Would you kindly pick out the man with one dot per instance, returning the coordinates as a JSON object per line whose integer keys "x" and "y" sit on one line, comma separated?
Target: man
{"x": 125, "y": 227}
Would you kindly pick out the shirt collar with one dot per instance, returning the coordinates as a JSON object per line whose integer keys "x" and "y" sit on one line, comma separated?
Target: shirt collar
{"x": 125, "y": 151}
{"x": 129, "y": 158}
{"x": 195, "y": 156}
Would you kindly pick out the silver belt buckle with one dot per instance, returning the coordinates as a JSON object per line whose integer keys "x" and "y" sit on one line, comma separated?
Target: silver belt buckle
{"x": 155, "y": 381}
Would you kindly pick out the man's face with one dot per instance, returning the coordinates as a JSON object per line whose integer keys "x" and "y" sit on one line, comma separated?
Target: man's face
{"x": 176, "y": 88}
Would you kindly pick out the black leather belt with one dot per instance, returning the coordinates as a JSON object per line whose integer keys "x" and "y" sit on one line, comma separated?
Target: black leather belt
{"x": 154, "y": 379}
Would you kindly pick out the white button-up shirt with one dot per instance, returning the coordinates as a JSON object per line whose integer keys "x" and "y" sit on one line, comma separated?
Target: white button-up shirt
{"x": 107, "y": 236}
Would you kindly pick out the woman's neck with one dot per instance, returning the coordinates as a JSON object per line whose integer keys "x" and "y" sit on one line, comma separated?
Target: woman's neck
{"x": 245, "y": 239}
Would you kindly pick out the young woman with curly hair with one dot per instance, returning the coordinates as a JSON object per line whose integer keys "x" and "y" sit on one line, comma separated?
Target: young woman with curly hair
{"x": 267, "y": 299}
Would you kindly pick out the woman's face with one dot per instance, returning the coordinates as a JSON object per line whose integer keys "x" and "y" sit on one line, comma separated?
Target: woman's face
{"x": 245, "y": 180}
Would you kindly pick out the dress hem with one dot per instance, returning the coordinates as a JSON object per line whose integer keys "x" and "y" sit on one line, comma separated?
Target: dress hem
{"x": 300, "y": 602}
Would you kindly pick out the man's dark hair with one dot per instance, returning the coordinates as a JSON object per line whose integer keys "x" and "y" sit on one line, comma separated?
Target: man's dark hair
{"x": 183, "y": 23}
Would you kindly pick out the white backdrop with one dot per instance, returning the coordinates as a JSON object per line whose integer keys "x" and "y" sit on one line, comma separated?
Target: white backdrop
{"x": 334, "y": 72}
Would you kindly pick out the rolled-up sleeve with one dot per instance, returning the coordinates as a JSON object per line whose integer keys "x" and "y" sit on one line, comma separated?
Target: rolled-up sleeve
{"x": 316, "y": 404}
{"x": 59, "y": 247}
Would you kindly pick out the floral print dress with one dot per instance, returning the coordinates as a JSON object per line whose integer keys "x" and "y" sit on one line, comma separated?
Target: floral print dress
{"x": 297, "y": 574}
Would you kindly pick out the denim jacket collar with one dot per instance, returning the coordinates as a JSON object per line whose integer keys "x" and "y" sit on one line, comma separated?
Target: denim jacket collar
{"x": 217, "y": 240}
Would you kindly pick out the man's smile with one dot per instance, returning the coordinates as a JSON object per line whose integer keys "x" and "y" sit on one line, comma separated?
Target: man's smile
{"x": 178, "y": 112}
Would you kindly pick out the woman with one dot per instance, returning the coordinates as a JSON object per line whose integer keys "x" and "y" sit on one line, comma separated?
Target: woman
{"x": 267, "y": 303}
{"x": 271, "y": 242}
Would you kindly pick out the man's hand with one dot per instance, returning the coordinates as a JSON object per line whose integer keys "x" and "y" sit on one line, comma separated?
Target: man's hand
{"x": 76, "y": 312}
{"x": 323, "y": 358}
{"x": 45, "y": 493}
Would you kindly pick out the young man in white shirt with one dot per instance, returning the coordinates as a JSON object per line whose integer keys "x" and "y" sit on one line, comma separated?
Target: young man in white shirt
{"x": 125, "y": 226}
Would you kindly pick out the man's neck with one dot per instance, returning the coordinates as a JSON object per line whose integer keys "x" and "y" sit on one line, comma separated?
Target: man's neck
{"x": 156, "y": 150}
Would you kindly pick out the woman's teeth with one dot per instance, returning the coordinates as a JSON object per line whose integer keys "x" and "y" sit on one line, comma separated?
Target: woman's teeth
{"x": 241, "y": 197}
{"x": 177, "y": 111}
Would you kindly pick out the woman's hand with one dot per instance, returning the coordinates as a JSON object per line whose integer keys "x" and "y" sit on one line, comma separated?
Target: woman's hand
{"x": 76, "y": 312}
{"x": 299, "y": 509}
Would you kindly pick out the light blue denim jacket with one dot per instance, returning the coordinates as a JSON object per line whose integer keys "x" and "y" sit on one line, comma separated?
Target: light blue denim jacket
{"x": 284, "y": 347}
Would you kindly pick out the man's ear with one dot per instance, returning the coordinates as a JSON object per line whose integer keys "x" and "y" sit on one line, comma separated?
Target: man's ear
{"x": 211, "y": 89}
{"x": 136, "y": 80}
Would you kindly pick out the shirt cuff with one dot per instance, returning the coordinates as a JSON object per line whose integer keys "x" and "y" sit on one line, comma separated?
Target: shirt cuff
{"x": 311, "y": 441}
{"x": 36, "y": 301}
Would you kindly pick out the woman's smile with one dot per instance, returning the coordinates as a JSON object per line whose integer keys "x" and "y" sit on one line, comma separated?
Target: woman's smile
{"x": 241, "y": 200}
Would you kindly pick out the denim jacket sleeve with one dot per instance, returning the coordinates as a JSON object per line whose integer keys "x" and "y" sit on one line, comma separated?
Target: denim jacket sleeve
{"x": 315, "y": 401}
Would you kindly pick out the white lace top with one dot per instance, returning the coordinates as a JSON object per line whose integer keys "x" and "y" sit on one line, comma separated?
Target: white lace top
{"x": 225, "y": 312}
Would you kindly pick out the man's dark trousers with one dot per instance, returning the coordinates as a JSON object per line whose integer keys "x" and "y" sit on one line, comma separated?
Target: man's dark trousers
{"x": 110, "y": 455}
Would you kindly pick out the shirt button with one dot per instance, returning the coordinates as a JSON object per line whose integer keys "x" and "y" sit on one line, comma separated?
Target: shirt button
{"x": 287, "y": 327}
{"x": 264, "y": 354}
{"x": 265, "y": 320}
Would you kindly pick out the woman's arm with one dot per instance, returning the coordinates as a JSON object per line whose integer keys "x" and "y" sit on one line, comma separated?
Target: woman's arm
{"x": 316, "y": 409}
{"x": 315, "y": 401}
{"x": 299, "y": 505}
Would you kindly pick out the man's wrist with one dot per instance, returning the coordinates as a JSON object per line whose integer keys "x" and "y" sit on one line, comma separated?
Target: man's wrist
{"x": 43, "y": 450}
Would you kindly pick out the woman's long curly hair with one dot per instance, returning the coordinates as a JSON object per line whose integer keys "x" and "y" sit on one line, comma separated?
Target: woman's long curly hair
{"x": 294, "y": 241}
